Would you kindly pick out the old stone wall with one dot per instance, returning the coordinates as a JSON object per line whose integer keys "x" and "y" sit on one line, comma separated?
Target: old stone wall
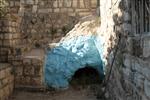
{"x": 129, "y": 79}
{"x": 33, "y": 24}
{"x": 9, "y": 37}
{"x": 6, "y": 81}
{"x": 46, "y": 21}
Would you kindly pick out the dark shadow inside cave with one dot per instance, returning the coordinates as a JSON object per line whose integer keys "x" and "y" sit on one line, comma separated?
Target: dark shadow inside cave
{"x": 85, "y": 76}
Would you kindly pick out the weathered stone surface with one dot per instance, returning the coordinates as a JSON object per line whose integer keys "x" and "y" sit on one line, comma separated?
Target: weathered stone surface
{"x": 130, "y": 74}
{"x": 34, "y": 9}
{"x": 48, "y": 12}
{"x": 6, "y": 81}
{"x": 126, "y": 16}
{"x": 67, "y": 3}
{"x": 30, "y": 2}
{"x": 147, "y": 88}
{"x": 75, "y": 3}
{"x": 126, "y": 27}
{"x": 146, "y": 46}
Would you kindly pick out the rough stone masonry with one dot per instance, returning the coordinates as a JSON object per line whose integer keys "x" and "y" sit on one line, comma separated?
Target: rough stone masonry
{"x": 129, "y": 79}
{"x": 130, "y": 76}
{"x": 32, "y": 24}
{"x": 6, "y": 81}
{"x": 46, "y": 21}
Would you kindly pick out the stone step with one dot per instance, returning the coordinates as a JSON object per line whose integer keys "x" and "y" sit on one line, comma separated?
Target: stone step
{"x": 30, "y": 72}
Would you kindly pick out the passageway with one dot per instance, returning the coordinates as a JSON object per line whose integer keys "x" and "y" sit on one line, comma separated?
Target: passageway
{"x": 86, "y": 76}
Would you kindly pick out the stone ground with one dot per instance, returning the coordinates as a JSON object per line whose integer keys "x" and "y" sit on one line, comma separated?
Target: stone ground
{"x": 69, "y": 94}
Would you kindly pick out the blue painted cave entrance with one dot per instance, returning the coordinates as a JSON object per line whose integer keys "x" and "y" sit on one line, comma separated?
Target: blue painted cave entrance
{"x": 64, "y": 61}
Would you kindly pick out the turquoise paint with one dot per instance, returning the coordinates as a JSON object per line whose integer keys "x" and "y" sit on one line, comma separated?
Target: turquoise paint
{"x": 62, "y": 62}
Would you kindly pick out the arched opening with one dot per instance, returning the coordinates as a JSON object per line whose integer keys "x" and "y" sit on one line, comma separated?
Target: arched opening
{"x": 85, "y": 76}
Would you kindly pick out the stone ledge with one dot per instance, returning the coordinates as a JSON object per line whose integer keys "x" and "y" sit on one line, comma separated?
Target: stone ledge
{"x": 34, "y": 54}
{"x": 30, "y": 88}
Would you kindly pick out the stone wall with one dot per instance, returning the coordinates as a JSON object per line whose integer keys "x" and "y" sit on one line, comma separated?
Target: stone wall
{"x": 129, "y": 79}
{"x": 29, "y": 70}
{"x": 38, "y": 23}
{"x": 46, "y": 21}
{"x": 9, "y": 37}
{"x": 6, "y": 81}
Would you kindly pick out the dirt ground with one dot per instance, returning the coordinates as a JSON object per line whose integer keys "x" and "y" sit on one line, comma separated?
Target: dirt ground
{"x": 69, "y": 94}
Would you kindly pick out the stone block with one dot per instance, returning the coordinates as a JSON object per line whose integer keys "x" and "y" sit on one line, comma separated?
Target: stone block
{"x": 75, "y": 3}
{"x": 22, "y": 1}
{"x": 11, "y": 87}
{"x": 31, "y": 2}
{"x": 82, "y": 3}
{"x": 7, "y": 42}
{"x": 13, "y": 24}
{"x": 5, "y": 81}
{"x": 126, "y": 17}
{"x": 45, "y": 10}
{"x": 34, "y": 9}
{"x": 11, "y": 3}
{"x": 21, "y": 11}
{"x": 55, "y": 4}
{"x": 17, "y": 3}
{"x": 26, "y": 80}
{"x": 19, "y": 70}
{"x": 8, "y": 36}
{"x": 1, "y": 42}
{"x": 19, "y": 80}
{"x": 14, "y": 30}
{"x": 2, "y": 96}
{"x": 93, "y": 3}
{"x": 60, "y": 3}
{"x": 67, "y": 3}
{"x": 72, "y": 14}
{"x": 126, "y": 27}
{"x": 1, "y": 85}
{"x": 36, "y": 81}
{"x": 147, "y": 88}
{"x": 27, "y": 61}
{"x": 10, "y": 79}
{"x": 70, "y": 10}
{"x": 6, "y": 29}
{"x": 63, "y": 9}
{"x": 84, "y": 13}
{"x": 28, "y": 70}
{"x": 17, "y": 63}
{"x": 137, "y": 65}
{"x": 81, "y": 10}
{"x": 57, "y": 10}
{"x": 36, "y": 1}
{"x": 6, "y": 92}
{"x": 38, "y": 70}
{"x": 16, "y": 36}
{"x": 6, "y": 23}
{"x": 87, "y": 3}
{"x": 48, "y": 25}
{"x": 36, "y": 62}
{"x": 2, "y": 74}
{"x": 8, "y": 71}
